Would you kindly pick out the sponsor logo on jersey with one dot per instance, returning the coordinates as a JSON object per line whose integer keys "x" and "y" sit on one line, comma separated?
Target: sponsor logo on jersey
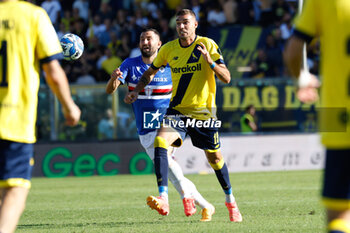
{"x": 187, "y": 69}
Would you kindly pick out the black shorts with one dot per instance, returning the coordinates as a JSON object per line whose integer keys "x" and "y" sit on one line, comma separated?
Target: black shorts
{"x": 204, "y": 134}
{"x": 336, "y": 183}
{"x": 16, "y": 163}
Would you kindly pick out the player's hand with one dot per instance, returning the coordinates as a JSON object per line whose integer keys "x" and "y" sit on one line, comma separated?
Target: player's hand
{"x": 205, "y": 53}
{"x": 72, "y": 114}
{"x": 308, "y": 95}
{"x": 116, "y": 73}
{"x": 131, "y": 97}
{"x": 307, "y": 92}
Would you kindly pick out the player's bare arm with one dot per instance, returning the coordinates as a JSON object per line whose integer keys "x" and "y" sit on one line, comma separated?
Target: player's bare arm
{"x": 114, "y": 82}
{"x": 308, "y": 83}
{"x": 145, "y": 79}
{"x": 220, "y": 70}
{"x": 58, "y": 83}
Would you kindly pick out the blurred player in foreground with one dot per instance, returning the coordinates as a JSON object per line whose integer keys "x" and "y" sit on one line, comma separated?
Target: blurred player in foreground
{"x": 155, "y": 98}
{"x": 27, "y": 39}
{"x": 329, "y": 20}
{"x": 194, "y": 62}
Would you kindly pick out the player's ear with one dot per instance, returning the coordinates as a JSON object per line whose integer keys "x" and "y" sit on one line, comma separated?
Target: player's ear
{"x": 159, "y": 44}
{"x": 196, "y": 24}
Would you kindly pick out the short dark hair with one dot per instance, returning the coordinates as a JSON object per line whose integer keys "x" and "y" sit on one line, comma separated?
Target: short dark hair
{"x": 150, "y": 30}
{"x": 250, "y": 106}
{"x": 186, "y": 12}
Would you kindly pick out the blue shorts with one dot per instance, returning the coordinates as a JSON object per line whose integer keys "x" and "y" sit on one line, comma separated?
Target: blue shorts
{"x": 336, "y": 182}
{"x": 16, "y": 163}
{"x": 204, "y": 134}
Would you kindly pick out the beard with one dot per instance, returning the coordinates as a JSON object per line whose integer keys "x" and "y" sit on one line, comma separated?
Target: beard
{"x": 147, "y": 53}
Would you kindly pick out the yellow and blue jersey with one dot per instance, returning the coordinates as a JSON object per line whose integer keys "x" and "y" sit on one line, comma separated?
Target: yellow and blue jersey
{"x": 27, "y": 38}
{"x": 194, "y": 86}
{"x": 330, "y": 20}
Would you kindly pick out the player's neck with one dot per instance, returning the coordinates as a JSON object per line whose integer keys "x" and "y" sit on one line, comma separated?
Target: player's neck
{"x": 187, "y": 41}
{"x": 149, "y": 60}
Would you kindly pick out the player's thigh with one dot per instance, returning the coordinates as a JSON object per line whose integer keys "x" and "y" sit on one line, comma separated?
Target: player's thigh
{"x": 336, "y": 183}
{"x": 16, "y": 163}
{"x": 173, "y": 134}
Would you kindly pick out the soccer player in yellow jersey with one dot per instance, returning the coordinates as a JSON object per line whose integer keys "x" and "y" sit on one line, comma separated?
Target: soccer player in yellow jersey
{"x": 330, "y": 21}
{"x": 194, "y": 62}
{"x": 27, "y": 40}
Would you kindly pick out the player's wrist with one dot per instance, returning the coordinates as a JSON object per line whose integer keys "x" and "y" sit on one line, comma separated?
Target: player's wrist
{"x": 212, "y": 65}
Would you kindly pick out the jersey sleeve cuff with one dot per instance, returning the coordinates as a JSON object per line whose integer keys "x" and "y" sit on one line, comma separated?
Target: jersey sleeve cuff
{"x": 219, "y": 61}
{"x": 154, "y": 67}
{"x": 122, "y": 81}
{"x": 57, "y": 56}
{"x": 302, "y": 36}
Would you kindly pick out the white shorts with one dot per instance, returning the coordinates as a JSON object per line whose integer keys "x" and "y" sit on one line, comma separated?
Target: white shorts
{"x": 147, "y": 141}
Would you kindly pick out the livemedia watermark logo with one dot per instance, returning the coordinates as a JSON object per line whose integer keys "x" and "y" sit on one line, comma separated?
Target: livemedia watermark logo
{"x": 156, "y": 119}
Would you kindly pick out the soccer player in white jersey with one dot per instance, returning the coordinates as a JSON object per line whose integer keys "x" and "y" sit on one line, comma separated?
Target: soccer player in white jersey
{"x": 155, "y": 99}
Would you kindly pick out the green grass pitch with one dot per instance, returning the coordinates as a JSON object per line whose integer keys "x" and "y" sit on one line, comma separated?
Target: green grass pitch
{"x": 269, "y": 202}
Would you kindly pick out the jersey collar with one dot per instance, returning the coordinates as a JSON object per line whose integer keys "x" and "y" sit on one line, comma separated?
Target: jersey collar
{"x": 189, "y": 44}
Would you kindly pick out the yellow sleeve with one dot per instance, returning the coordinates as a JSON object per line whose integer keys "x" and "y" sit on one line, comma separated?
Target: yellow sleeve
{"x": 160, "y": 60}
{"x": 307, "y": 22}
{"x": 214, "y": 51}
{"x": 47, "y": 40}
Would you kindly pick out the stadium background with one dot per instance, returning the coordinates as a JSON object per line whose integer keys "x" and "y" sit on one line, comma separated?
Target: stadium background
{"x": 251, "y": 35}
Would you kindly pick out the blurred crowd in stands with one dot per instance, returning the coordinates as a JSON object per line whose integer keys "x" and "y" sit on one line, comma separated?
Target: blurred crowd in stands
{"x": 110, "y": 30}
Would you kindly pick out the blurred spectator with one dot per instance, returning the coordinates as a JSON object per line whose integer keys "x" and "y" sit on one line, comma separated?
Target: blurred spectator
{"x": 123, "y": 50}
{"x": 274, "y": 57}
{"x": 83, "y": 8}
{"x": 104, "y": 36}
{"x": 109, "y": 64}
{"x": 105, "y": 11}
{"x": 245, "y": 11}
{"x": 53, "y": 9}
{"x": 200, "y": 9}
{"x": 79, "y": 28}
{"x": 286, "y": 26}
{"x": 141, "y": 20}
{"x": 166, "y": 34}
{"x": 96, "y": 27}
{"x": 61, "y": 30}
{"x": 84, "y": 77}
{"x": 120, "y": 22}
{"x": 261, "y": 68}
{"x": 67, "y": 20}
{"x": 256, "y": 71}
{"x": 230, "y": 11}
{"x": 248, "y": 120}
{"x": 106, "y": 126}
{"x": 266, "y": 16}
{"x": 216, "y": 16}
{"x": 279, "y": 8}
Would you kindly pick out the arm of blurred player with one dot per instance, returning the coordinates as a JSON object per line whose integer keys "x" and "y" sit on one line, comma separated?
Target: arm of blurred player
{"x": 114, "y": 82}
{"x": 308, "y": 83}
{"x": 145, "y": 79}
{"x": 220, "y": 70}
{"x": 253, "y": 126}
{"x": 58, "y": 83}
